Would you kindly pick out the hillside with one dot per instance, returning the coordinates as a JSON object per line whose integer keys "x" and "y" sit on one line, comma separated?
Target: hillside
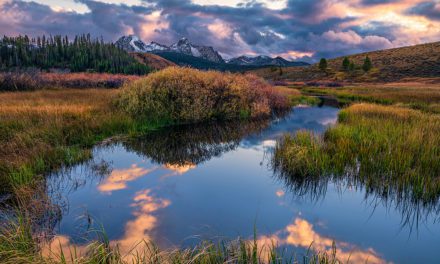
{"x": 389, "y": 65}
{"x": 154, "y": 61}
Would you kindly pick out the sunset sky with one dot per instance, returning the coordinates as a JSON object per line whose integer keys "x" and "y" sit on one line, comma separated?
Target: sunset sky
{"x": 294, "y": 29}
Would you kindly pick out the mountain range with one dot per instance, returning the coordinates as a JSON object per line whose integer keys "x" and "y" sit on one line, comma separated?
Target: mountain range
{"x": 184, "y": 47}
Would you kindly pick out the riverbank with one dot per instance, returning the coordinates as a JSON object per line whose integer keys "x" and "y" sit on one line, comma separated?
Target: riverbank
{"x": 419, "y": 94}
{"x": 59, "y": 127}
{"x": 43, "y": 130}
{"x": 387, "y": 140}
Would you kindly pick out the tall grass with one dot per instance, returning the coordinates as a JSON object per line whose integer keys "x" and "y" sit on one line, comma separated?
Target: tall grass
{"x": 42, "y": 130}
{"x": 18, "y": 245}
{"x": 392, "y": 151}
{"x": 183, "y": 95}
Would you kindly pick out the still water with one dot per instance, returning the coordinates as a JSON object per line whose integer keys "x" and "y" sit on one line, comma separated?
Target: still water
{"x": 182, "y": 185}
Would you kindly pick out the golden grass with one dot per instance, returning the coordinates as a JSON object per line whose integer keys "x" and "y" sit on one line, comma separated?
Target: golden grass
{"x": 417, "y": 95}
{"x": 44, "y": 129}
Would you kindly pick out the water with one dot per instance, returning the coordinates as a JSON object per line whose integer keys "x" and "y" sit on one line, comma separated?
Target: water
{"x": 183, "y": 185}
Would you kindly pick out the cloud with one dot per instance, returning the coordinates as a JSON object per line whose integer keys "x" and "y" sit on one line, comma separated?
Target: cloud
{"x": 119, "y": 178}
{"x": 429, "y": 10}
{"x": 289, "y": 28}
{"x": 302, "y": 233}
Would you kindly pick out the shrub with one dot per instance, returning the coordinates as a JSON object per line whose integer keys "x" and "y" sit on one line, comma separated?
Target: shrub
{"x": 20, "y": 81}
{"x": 183, "y": 95}
{"x": 86, "y": 80}
{"x": 34, "y": 80}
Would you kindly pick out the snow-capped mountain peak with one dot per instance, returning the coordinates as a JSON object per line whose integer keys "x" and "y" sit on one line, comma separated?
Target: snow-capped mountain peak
{"x": 132, "y": 43}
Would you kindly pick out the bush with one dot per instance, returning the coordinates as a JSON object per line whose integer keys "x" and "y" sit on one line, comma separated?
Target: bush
{"x": 183, "y": 95}
{"x": 35, "y": 80}
{"x": 20, "y": 81}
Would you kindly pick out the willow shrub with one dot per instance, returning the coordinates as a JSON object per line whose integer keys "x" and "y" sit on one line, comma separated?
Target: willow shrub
{"x": 183, "y": 95}
{"x": 392, "y": 151}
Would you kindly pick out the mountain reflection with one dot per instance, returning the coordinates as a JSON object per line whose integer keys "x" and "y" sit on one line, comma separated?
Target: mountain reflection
{"x": 193, "y": 144}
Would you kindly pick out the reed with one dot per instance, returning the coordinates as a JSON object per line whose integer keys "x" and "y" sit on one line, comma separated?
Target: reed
{"x": 390, "y": 150}
{"x": 17, "y": 245}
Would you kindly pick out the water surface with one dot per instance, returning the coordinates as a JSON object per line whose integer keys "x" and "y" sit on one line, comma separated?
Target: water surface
{"x": 182, "y": 185}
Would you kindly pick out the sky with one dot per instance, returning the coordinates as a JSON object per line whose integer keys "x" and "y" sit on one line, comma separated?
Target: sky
{"x": 294, "y": 29}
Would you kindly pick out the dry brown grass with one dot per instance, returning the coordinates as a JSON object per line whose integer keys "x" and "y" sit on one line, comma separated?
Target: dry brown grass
{"x": 389, "y": 65}
{"x": 154, "y": 61}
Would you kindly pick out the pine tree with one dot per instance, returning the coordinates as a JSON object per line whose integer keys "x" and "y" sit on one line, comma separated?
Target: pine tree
{"x": 352, "y": 66}
{"x": 83, "y": 54}
{"x": 323, "y": 64}
{"x": 367, "y": 64}
{"x": 346, "y": 64}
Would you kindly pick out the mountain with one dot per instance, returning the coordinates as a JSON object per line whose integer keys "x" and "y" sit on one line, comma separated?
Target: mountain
{"x": 184, "y": 60}
{"x": 185, "y": 53}
{"x": 264, "y": 61}
{"x": 131, "y": 44}
{"x": 186, "y": 47}
{"x": 134, "y": 44}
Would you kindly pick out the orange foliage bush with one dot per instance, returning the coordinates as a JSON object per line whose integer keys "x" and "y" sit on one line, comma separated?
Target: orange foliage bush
{"x": 183, "y": 95}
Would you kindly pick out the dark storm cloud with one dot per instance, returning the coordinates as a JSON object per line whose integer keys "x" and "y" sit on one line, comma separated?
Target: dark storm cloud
{"x": 377, "y": 2}
{"x": 250, "y": 27}
{"x": 110, "y": 21}
{"x": 428, "y": 9}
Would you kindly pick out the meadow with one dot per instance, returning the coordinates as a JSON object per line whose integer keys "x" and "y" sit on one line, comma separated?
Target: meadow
{"x": 421, "y": 94}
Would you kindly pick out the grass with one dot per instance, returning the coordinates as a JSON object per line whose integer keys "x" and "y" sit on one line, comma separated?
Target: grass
{"x": 295, "y": 96}
{"x": 42, "y": 130}
{"x": 184, "y": 95}
{"x": 388, "y": 65}
{"x": 392, "y": 151}
{"x": 18, "y": 245}
{"x": 423, "y": 96}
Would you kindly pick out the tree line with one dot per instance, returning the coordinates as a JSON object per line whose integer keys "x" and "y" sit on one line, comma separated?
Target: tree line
{"x": 78, "y": 55}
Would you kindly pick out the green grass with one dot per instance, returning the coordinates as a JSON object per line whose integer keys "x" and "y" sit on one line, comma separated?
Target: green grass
{"x": 391, "y": 151}
{"x": 44, "y": 130}
{"x": 18, "y": 245}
